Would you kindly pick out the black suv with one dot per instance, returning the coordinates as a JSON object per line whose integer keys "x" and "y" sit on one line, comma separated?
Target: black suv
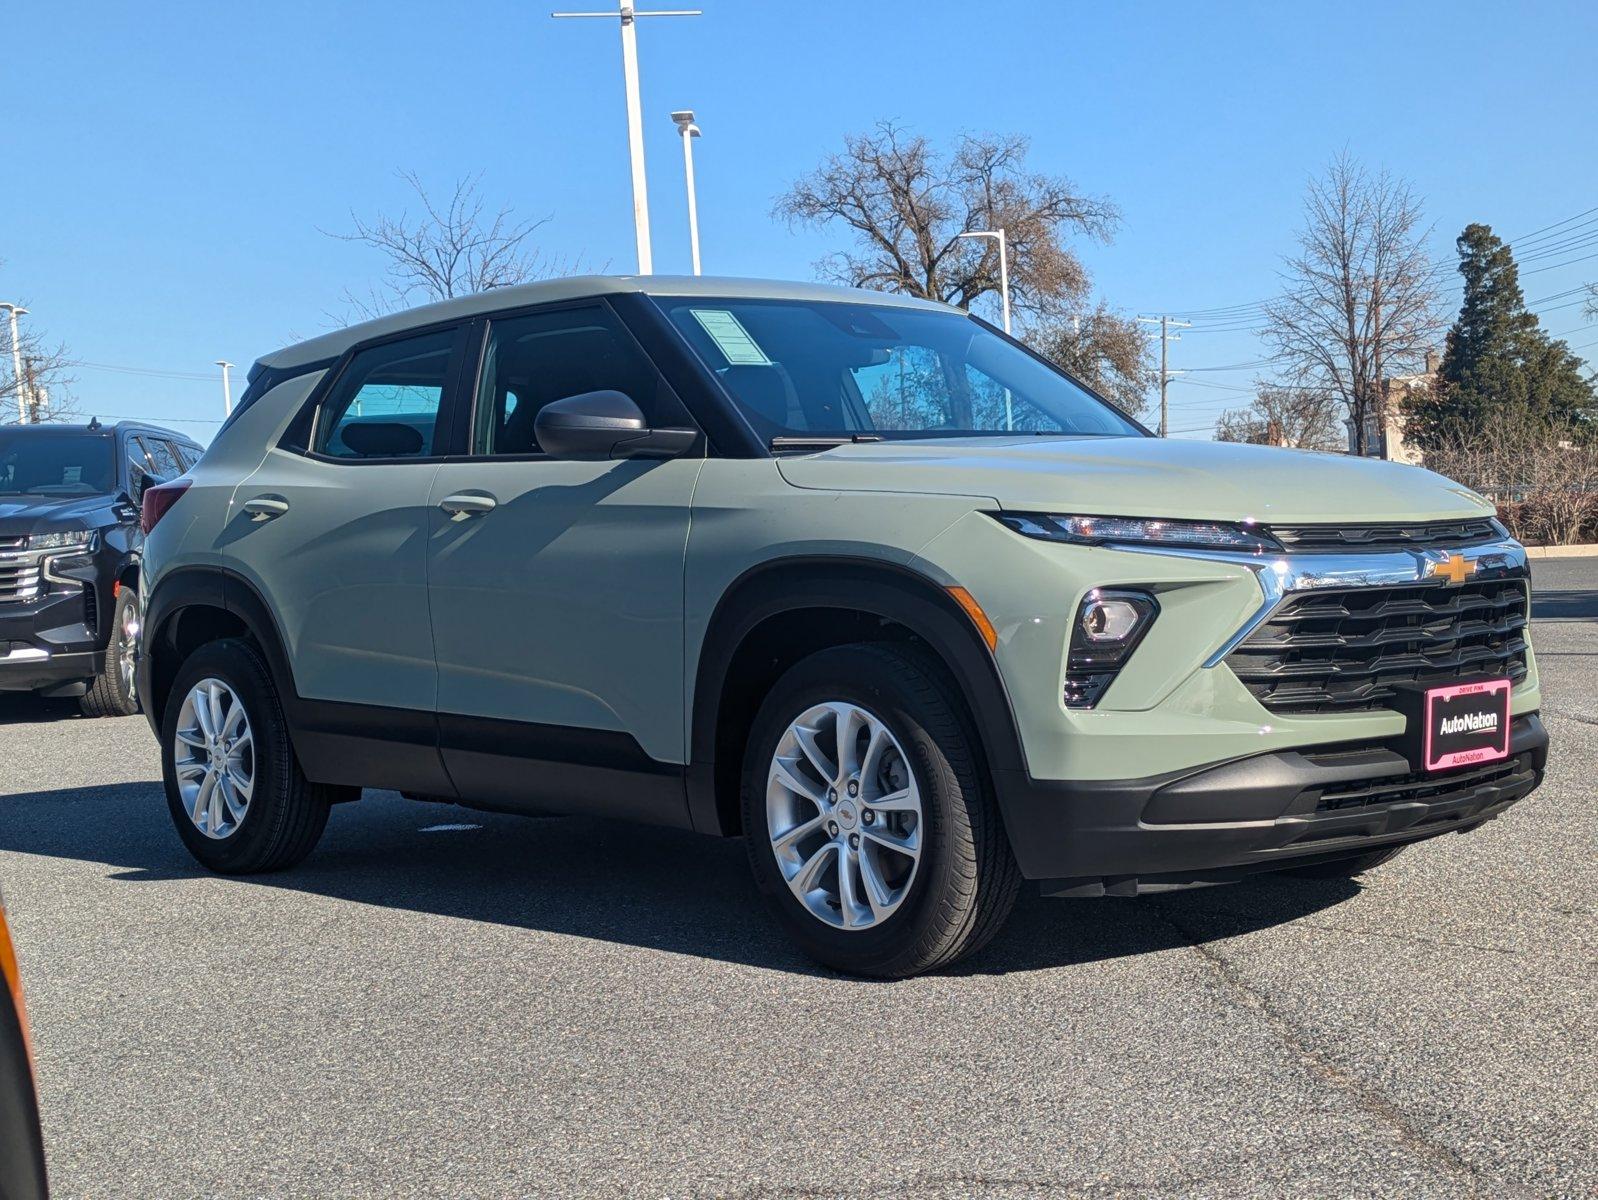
{"x": 70, "y": 546}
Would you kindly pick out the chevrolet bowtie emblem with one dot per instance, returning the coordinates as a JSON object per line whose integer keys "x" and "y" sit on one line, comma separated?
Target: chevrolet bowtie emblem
{"x": 1456, "y": 568}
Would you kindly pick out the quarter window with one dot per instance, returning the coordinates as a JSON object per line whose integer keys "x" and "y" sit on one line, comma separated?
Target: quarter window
{"x": 535, "y": 360}
{"x": 386, "y": 403}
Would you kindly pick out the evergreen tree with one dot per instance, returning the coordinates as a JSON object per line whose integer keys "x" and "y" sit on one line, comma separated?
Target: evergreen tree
{"x": 1498, "y": 360}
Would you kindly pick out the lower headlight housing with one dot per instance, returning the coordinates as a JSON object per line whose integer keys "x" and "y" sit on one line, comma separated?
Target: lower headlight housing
{"x": 1107, "y": 629}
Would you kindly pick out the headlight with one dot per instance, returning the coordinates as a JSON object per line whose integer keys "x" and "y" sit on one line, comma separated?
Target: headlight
{"x": 1141, "y": 531}
{"x": 80, "y": 539}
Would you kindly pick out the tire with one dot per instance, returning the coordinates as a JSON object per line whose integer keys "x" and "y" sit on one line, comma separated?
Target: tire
{"x": 112, "y": 692}
{"x": 1345, "y": 868}
{"x": 952, "y": 898}
{"x": 283, "y": 814}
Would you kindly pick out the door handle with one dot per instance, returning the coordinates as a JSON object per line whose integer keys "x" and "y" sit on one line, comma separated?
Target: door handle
{"x": 264, "y": 508}
{"x": 467, "y": 504}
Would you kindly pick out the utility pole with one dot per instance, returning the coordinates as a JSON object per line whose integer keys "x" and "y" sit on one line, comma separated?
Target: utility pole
{"x": 36, "y": 397}
{"x": 16, "y": 311}
{"x": 635, "y": 120}
{"x": 1166, "y": 338}
{"x": 227, "y": 388}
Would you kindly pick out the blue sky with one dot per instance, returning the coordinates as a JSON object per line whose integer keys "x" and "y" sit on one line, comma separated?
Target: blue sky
{"x": 169, "y": 166}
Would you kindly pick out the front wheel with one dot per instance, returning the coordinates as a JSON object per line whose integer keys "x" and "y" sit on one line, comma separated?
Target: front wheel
{"x": 869, "y": 825}
{"x": 237, "y": 795}
{"x": 112, "y": 692}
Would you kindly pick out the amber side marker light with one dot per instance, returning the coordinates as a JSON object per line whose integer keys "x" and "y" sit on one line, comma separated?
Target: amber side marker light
{"x": 968, "y": 602}
{"x": 8, "y": 968}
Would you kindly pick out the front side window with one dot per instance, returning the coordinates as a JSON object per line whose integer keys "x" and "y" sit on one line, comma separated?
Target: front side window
{"x": 823, "y": 368}
{"x": 535, "y": 360}
{"x": 57, "y": 464}
{"x": 386, "y": 403}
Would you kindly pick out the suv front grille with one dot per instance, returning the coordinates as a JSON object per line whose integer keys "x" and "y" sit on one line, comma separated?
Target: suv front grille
{"x": 1344, "y": 649}
{"x": 19, "y": 578}
{"x": 1309, "y": 539}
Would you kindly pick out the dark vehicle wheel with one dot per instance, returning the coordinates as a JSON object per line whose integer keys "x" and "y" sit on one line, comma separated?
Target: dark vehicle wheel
{"x": 235, "y": 790}
{"x": 1345, "y": 868}
{"x": 870, "y": 828}
{"x": 113, "y": 693}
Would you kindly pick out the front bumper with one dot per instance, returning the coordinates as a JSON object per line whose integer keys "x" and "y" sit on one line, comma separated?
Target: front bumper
{"x": 1265, "y": 812}
{"x": 58, "y": 636}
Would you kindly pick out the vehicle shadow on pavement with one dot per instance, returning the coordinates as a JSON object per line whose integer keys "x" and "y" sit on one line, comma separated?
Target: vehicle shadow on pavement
{"x": 654, "y": 888}
{"x": 1564, "y": 605}
{"x": 23, "y": 708}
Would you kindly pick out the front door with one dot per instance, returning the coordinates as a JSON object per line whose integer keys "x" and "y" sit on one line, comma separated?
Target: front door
{"x": 557, "y": 586}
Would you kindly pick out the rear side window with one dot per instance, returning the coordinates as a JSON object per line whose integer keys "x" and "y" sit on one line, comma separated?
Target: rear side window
{"x": 162, "y": 458}
{"x": 386, "y": 403}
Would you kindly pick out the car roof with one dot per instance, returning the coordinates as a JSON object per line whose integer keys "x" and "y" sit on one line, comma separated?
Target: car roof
{"x": 105, "y": 428}
{"x": 578, "y": 287}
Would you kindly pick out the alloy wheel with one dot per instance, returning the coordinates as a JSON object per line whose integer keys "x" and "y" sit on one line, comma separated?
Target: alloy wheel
{"x": 843, "y": 812}
{"x": 214, "y": 758}
{"x": 127, "y": 649}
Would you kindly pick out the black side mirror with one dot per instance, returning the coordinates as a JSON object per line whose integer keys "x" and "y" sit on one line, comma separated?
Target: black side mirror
{"x": 137, "y": 487}
{"x": 596, "y": 426}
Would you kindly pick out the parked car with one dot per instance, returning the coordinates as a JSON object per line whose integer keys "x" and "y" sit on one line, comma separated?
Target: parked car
{"x": 22, "y": 1174}
{"x": 854, "y": 575}
{"x": 70, "y": 547}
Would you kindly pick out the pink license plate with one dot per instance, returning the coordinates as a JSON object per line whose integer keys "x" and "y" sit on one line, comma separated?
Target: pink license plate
{"x": 1465, "y": 724}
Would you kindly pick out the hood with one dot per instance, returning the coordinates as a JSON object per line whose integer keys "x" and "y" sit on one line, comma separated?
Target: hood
{"x": 28, "y": 515}
{"x": 1143, "y": 477}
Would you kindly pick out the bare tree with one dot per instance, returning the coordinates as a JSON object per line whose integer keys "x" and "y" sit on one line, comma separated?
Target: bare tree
{"x": 454, "y": 248}
{"x": 1295, "y": 417}
{"x": 44, "y": 389}
{"x": 1542, "y": 475}
{"x": 907, "y": 206}
{"x": 1361, "y": 298}
{"x": 1110, "y": 353}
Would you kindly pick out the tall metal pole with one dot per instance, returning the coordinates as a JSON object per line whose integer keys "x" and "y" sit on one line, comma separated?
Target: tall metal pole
{"x": 635, "y": 138}
{"x": 227, "y": 388}
{"x": 1004, "y": 279}
{"x": 1004, "y": 302}
{"x": 635, "y": 118}
{"x": 16, "y": 361}
{"x": 685, "y": 125}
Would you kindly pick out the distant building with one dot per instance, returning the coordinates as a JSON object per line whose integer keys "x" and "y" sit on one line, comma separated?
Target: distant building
{"x": 1384, "y": 430}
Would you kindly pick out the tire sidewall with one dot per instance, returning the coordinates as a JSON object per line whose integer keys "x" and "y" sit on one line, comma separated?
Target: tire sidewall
{"x": 872, "y": 950}
{"x": 235, "y": 665}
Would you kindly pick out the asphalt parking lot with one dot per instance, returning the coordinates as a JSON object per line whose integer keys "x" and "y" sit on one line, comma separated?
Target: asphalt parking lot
{"x": 443, "y": 1003}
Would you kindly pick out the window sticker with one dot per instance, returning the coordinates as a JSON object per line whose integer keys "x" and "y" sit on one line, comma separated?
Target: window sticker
{"x": 731, "y": 338}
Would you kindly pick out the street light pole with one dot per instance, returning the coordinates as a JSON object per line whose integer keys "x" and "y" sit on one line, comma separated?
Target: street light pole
{"x": 16, "y": 360}
{"x": 1004, "y": 268}
{"x": 1004, "y": 301}
{"x": 227, "y": 387}
{"x": 685, "y": 125}
{"x": 635, "y": 120}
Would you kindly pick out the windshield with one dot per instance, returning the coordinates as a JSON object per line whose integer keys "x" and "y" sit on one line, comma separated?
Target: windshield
{"x": 56, "y": 464}
{"x": 807, "y": 370}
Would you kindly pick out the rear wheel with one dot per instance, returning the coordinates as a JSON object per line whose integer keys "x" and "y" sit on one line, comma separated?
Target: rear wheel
{"x": 1345, "y": 868}
{"x": 113, "y": 692}
{"x": 237, "y": 795}
{"x": 869, "y": 826}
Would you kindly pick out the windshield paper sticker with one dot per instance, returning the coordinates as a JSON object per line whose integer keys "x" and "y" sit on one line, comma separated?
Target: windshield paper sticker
{"x": 731, "y": 338}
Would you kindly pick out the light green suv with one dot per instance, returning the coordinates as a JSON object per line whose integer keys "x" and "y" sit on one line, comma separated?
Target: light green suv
{"x": 854, "y": 576}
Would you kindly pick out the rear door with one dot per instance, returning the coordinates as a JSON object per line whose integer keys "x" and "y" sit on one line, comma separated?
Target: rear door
{"x": 331, "y": 529}
{"x": 557, "y": 586}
